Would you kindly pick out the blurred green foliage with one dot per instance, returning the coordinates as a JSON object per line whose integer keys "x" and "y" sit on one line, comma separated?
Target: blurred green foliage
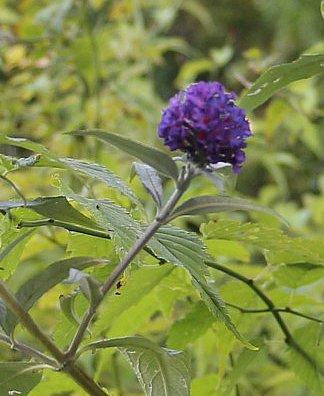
{"x": 71, "y": 64}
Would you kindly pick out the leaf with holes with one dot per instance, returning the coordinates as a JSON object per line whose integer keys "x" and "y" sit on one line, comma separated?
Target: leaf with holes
{"x": 278, "y": 77}
{"x": 277, "y": 246}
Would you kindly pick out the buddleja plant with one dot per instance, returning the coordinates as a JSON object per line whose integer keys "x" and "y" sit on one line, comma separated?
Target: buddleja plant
{"x": 204, "y": 123}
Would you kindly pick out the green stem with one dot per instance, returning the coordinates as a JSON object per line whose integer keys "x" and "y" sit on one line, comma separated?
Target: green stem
{"x": 74, "y": 228}
{"x": 135, "y": 249}
{"x": 62, "y": 224}
{"x": 28, "y": 351}
{"x": 271, "y": 307}
{"x": 289, "y": 339}
{"x": 75, "y": 371}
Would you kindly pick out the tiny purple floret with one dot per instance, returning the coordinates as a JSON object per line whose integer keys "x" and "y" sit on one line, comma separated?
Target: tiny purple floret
{"x": 204, "y": 122}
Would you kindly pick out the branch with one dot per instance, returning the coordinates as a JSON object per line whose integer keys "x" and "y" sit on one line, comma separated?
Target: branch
{"x": 271, "y": 307}
{"x": 289, "y": 339}
{"x": 66, "y": 226}
{"x": 75, "y": 371}
{"x": 75, "y": 228}
{"x": 139, "y": 245}
{"x": 28, "y": 351}
{"x": 286, "y": 310}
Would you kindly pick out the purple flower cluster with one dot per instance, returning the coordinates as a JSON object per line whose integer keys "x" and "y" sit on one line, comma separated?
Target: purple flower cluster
{"x": 204, "y": 122}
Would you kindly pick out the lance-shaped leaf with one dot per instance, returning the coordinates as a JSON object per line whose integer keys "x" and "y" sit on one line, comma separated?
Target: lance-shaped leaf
{"x": 160, "y": 371}
{"x": 172, "y": 244}
{"x": 90, "y": 287}
{"x": 46, "y": 158}
{"x": 223, "y": 178}
{"x": 13, "y": 242}
{"x": 278, "y": 77}
{"x": 308, "y": 372}
{"x": 149, "y": 155}
{"x": 101, "y": 173}
{"x": 27, "y": 144}
{"x": 37, "y": 286}
{"x": 68, "y": 308}
{"x": 57, "y": 208}
{"x": 186, "y": 250}
{"x": 18, "y": 378}
{"x": 213, "y": 204}
{"x": 150, "y": 180}
{"x": 216, "y": 305}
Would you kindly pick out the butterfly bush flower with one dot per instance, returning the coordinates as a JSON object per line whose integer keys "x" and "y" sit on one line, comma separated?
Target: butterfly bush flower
{"x": 204, "y": 122}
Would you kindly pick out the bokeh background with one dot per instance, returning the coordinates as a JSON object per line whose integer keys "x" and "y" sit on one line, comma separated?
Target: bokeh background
{"x": 113, "y": 64}
{"x": 71, "y": 64}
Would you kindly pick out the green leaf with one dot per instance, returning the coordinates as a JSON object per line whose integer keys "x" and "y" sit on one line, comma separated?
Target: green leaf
{"x": 280, "y": 76}
{"x": 169, "y": 243}
{"x": 191, "y": 327}
{"x": 29, "y": 145}
{"x": 307, "y": 337}
{"x": 216, "y": 305}
{"x": 161, "y": 371}
{"x": 297, "y": 275}
{"x": 88, "y": 245}
{"x": 223, "y": 178}
{"x": 68, "y": 308}
{"x": 180, "y": 247}
{"x": 57, "y": 208}
{"x": 13, "y": 242}
{"x": 100, "y": 173}
{"x": 221, "y": 248}
{"x": 130, "y": 295}
{"x": 18, "y": 377}
{"x": 57, "y": 381}
{"x": 214, "y": 204}
{"x": 151, "y": 181}
{"x": 277, "y": 247}
{"x": 125, "y": 230}
{"x": 186, "y": 250}
{"x": 241, "y": 366}
{"x": 90, "y": 287}
{"x": 205, "y": 385}
{"x": 149, "y": 155}
{"x": 322, "y": 8}
{"x": 35, "y": 287}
